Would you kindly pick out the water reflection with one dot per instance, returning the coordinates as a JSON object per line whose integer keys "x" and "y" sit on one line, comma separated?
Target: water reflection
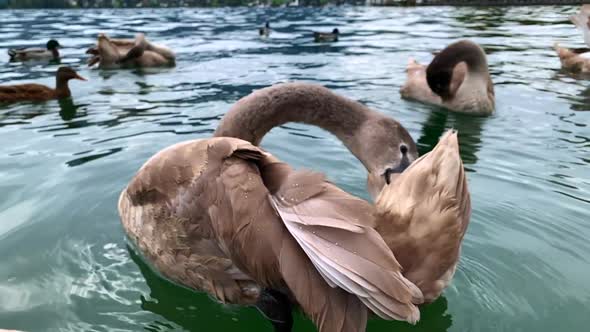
{"x": 67, "y": 109}
{"x": 481, "y": 20}
{"x": 191, "y": 310}
{"x": 469, "y": 130}
{"x": 582, "y": 103}
{"x": 434, "y": 317}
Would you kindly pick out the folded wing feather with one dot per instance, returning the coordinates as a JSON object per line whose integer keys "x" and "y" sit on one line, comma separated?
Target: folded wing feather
{"x": 580, "y": 20}
{"x": 333, "y": 229}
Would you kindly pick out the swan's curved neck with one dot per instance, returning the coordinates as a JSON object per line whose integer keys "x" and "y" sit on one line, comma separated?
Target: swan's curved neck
{"x": 255, "y": 115}
{"x": 461, "y": 51}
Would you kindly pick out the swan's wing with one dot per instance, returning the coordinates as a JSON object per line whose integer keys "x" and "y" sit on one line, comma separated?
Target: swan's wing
{"x": 424, "y": 215}
{"x": 581, "y": 20}
{"x": 168, "y": 210}
{"x": 332, "y": 228}
{"x": 260, "y": 243}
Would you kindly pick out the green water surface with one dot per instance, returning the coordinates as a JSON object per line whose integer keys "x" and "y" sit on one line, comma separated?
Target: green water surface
{"x": 64, "y": 263}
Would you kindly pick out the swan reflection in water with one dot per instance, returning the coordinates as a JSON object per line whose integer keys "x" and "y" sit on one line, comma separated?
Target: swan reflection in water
{"x": 469, "y": 129}
{"x": 192, "y": 310}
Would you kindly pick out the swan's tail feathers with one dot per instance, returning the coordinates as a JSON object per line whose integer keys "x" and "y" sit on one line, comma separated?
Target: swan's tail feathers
{"x": 331, "y": 309}
{"x": 428, "y": 200}
{"x": 412, "y": 62}
{"x": 334, "y": 230}
{"x": 582, "y": 20}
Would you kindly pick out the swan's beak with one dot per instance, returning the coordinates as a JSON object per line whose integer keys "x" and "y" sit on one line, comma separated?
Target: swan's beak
{"x": 403, "y": 164}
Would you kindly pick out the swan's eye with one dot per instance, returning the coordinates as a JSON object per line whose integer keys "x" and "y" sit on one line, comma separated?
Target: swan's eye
{"x": 403, "y": 149}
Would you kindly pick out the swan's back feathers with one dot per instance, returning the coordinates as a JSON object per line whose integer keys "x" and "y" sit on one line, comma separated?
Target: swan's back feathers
{"x": 201, "y": 214}
{"x": 423, "y": 215}
{"x": 581, "y": 21}
{"x": 334, "y": 230}
{"x": 164, "y": 211}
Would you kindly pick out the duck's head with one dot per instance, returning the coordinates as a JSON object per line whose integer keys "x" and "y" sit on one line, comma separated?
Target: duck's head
{"x": 52, "y": 44}
{"x": 65, "y": 74}
{"x": 335, "y": 31}
{"x": 388, "y": 149}
{"x": 267, "y": 25}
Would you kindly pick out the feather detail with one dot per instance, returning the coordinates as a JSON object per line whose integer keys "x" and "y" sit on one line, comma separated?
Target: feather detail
{"x": 580, "y": 20}
{"x": 331, "y": 309}
{"x": 423, "y": 215}
{"x": 331, "y": 228}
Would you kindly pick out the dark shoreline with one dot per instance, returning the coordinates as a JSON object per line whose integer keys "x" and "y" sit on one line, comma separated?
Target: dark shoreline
{"x": 489, "y": 3}
{"x": 369, "y": 3}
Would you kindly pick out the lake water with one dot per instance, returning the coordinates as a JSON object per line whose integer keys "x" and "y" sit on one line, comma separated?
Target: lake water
{"x": 64, "y": 263}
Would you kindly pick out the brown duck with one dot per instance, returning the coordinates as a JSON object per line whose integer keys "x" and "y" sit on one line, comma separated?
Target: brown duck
{"x": 221, "y": 215}
{"x": 457, "y": 79}
{"x": 38, "y": 92}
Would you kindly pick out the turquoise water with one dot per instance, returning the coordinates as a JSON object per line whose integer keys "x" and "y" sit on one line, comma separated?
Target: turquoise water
{"x": 64, "y": 264}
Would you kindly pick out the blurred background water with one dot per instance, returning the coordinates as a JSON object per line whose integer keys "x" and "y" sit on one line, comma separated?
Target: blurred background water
{"x": 64, "y": 263}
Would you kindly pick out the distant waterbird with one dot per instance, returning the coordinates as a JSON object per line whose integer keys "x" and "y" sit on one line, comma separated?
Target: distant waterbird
{"x": 265, "y": 30}
{"x": 577, "y": 60}
{"x": 38, "y": 92}
{"x": 128, "y": 53}
{"x": 50, "y": 52}
{"x": 326, "y": 36}
{"x": 457, "y": 79}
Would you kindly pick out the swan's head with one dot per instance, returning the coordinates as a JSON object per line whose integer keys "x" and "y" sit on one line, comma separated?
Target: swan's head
{"x": 439, "y": 81}
{"x": 388, "y": 149}
{"x": 440, "y": 71}
{"x": 438, "y": 172}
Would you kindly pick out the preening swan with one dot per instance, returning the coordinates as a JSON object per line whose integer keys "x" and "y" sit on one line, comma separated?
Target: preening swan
{"x": 139, "y": 52}
{"x": 457, "y": 79}
{"x": 577, "y": 59}
{"x": 223, "y": 216}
